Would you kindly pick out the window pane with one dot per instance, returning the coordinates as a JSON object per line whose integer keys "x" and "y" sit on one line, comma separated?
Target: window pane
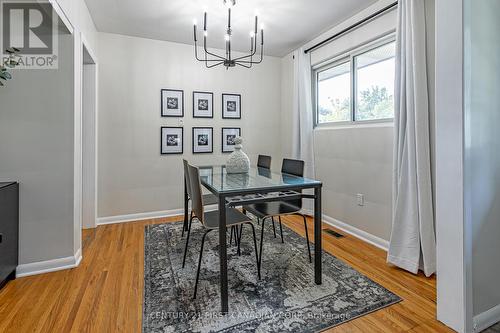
{"x": 375, "y": 72}
{"x": 334, "y": 97}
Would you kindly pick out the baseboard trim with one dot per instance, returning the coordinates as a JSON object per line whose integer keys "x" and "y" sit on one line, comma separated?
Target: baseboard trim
{"x": 363, "y": 235}
{"x": 48, "y": 266}
{"x": 145, "y": 216}
{"x": 486, "y": 319}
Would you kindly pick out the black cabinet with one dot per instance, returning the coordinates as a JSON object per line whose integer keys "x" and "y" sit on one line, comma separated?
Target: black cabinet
{"x": 9, "y": 230}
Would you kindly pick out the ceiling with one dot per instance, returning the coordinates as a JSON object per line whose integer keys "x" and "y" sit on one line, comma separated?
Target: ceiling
{"x": 287, "y": 23}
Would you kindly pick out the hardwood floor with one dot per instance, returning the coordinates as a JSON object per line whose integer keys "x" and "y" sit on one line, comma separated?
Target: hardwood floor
{"x": 105, "y": 293}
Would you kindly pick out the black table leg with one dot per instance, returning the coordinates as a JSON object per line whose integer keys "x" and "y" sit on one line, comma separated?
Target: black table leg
{"x": 186, "y": 200}
{"x": 317, "y": 235}
{"x": 223, "y": 255}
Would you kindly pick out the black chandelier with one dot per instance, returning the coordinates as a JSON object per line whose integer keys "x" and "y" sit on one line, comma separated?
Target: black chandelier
{"x": 212, "y": 60}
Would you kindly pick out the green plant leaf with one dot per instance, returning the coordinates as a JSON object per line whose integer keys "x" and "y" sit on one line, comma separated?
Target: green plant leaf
{"x": 5, "y": 75}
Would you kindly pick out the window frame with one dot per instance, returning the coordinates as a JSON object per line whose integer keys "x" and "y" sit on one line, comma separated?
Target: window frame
{"x": 348, "y": 57}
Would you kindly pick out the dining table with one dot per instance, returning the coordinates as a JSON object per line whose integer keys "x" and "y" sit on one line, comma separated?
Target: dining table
{"x": 258, "y": 185}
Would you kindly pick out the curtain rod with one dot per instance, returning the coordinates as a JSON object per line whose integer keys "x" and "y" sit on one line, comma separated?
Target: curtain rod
{"x": 354, "y": 26}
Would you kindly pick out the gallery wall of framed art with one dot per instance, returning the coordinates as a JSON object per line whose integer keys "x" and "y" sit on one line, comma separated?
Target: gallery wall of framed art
{"x": 202, "y": 138}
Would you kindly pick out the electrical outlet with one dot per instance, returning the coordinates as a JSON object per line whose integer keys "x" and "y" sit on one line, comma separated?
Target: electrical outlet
{"x": 360, "y": 199}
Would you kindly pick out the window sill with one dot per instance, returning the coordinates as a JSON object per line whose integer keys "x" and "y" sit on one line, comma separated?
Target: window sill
{"x": 354, "y": 125}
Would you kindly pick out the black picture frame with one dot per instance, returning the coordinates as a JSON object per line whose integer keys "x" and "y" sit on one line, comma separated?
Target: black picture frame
{"x": 165, "y": 129}
{"x": 237, "y": 103}
{"x": 196, "y": 107}
{"x": 193, "y": 141}
{"x": 223, "y": 135}
{"x": 164, "y": 107}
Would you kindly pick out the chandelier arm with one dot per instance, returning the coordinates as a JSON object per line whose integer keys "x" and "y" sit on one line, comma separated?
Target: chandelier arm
{"x": 252, "y": 52}
{"x": 239, "y": 64}
{"x": 202, "y": 60}
{"x": 247, "y": 56}
{"x": 207, "y": 52}
{"x": 213, "y": 65}
{"x": 255, "y": 62}
{"x": 196, "y": 55}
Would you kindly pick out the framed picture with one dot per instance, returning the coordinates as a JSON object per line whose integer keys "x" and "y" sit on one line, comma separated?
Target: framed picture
{"x": 203, "y": 140}
{"x": 228, "y": 136}
{"x": 203, "y": 104}
{"x": 172, "y": 103}
{"x": 231, "y": 106}
{"x": 172, "y": 140}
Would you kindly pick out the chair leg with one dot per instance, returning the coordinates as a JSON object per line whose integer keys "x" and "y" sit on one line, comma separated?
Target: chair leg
{"x": 231, "y": 237}
{"x": 281, "y": 229}
{"x": 274, "y": 228}
{"x": 255, "y": 246}
{"x": 239, "y": 229}
{"x": 185, "y": 226}
{"x": 187, "y": 241}
{"x": 307, "y": 239}
{"x": 199, "y": 263}
{"x": 261, "y": 242}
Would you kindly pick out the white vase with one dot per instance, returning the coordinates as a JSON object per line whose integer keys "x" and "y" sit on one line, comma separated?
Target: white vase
{"x": 238, "y": 161}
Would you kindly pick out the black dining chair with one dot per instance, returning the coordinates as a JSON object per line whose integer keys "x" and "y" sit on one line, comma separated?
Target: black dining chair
{"x": 264, "y": 161}
{"x": 210, "y": 220}
{"x": 267, "y": 210}
{"x": 208, "y": 199}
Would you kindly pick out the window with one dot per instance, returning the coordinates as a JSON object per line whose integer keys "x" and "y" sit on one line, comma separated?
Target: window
{"x": 334, "y": 95}
{"x": 359, "y": 87}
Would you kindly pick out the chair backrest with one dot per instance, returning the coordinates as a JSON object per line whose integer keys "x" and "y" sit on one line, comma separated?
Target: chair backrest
{"x": 186, "y": 178}
{"x": 296, "y": 168}
{"x": 264, "y": 161}
{"x": 293, "y": 167}
{"x": 196, "y": 193}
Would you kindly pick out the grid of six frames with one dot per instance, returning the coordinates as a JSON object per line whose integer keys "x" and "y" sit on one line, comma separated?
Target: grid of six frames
{"x": 172, "y": 105}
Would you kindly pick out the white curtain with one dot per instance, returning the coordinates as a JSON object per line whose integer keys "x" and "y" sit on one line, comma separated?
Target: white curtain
{"x": 302, "y": 134}
{"x": 413, "y": 244}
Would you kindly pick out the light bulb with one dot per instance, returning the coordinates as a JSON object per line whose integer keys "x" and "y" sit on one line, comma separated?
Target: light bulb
{"x": 195, "y": 22}
{"x": 252, "y": 34}
{"x": 262, "y": 26}
{"x": 205, "y": 33}
{"x": 226, "y": 38}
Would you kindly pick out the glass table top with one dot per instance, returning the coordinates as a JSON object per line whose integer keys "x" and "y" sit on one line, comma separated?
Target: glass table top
{"x": 217, "y": 180}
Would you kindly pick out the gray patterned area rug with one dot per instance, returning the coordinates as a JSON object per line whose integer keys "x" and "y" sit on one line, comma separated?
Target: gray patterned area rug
{"x": 284, "y": 300}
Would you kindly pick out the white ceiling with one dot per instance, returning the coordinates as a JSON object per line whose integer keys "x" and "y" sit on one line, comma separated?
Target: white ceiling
{"x": 287, "y": 23}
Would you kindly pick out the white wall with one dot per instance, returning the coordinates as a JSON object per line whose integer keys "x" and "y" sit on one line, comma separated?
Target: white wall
{"x": 483, "y": 151}
{"x": 133, "y": 176}
{"x": 36, "y": 131}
